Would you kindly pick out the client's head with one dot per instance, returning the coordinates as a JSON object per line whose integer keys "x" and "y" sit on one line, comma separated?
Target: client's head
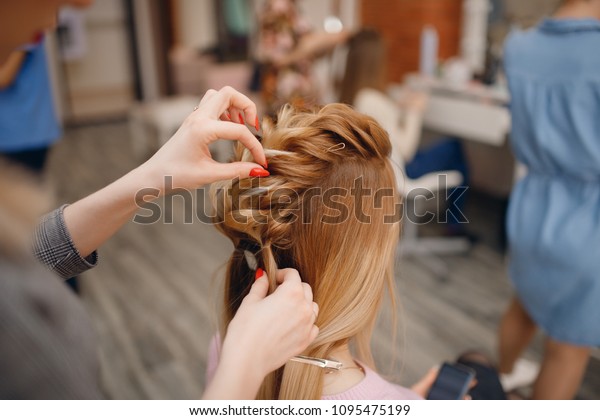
{"x": 330, "y": 210}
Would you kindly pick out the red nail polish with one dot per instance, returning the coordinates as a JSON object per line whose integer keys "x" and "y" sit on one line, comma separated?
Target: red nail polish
{"x": 256, "y": 124}
{"x": 259, "y": 173}
{"x": 259, "y": 274}
{"x": 242, "y": 120}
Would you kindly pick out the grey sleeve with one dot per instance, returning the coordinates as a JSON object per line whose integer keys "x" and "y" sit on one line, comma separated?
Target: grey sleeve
{"x": 48, "y": 348}
{"x": 53, "y": 246}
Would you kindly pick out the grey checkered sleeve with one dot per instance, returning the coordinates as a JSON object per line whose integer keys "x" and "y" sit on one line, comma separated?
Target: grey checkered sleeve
{"x": 54, "y": 247}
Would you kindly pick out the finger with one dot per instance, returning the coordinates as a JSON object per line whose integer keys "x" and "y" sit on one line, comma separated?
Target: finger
{"x": 259, "y": 289}
{"x": 316, "y": 309}
{"x": 308, "y": 294}
{"x": 315, "y": 312}
{"x": 314, "y": 332}
{"x": 209, "y": 94}
{"x": 228, "y": 97}
{"x": 287, "y": 275}
{"x": 236, "y": 116}
{"x": 224, "y": 171}
{"x": 422, "y": 387}
{"x": 241, "y": 133}
{"x": 225, "y": 117}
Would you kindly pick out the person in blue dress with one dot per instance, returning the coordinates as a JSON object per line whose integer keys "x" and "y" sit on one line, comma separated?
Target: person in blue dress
{"x": 29, "y": 126}
{"x": 553, "y": 221}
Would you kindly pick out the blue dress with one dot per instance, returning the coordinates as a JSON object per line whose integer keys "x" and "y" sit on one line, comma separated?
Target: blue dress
{"x": 27, "y": 118}
{"x": 554, "y": 213}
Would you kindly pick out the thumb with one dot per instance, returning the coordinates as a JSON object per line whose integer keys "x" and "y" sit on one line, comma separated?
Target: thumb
{"x": 422, "y": 387}
{"x": 259, "y": 289}
{"x": 225, "y": 171}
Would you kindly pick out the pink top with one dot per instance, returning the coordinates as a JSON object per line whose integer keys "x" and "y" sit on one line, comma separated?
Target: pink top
{"x": 372, "y": 387}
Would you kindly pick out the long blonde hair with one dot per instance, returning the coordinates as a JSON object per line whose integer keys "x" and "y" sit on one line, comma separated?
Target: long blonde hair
{"x": 346, "y": 258}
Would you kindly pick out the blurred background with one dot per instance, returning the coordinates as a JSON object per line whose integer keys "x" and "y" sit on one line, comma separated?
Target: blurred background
{"x": 125, "y": 73}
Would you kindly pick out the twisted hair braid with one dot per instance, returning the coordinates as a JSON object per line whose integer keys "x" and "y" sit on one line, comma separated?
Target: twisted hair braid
{"x": 290, "y": 219}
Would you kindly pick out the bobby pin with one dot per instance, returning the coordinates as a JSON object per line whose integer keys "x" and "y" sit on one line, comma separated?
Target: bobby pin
{"x": 337, "y": 147}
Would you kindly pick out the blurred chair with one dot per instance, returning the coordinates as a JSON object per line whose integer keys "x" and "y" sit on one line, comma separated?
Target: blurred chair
{"x": 153, "y": 123}
{"x": 405, "y": 141}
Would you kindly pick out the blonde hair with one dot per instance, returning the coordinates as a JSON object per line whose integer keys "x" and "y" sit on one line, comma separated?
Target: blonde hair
{"x": 346, "y": 259}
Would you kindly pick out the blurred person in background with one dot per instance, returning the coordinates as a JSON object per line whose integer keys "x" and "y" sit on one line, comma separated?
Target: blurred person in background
{"x": 365, "y": 68}
{"x": 25, "y": 95}
{"x": 553, "y": 218}
{"x": 47, "y": 348}
{"x": 287, "y": 48}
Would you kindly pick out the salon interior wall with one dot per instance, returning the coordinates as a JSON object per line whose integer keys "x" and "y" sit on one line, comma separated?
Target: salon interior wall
{"x": 197, "y": 23}
{"x": 59, "y": 94}
{"x": 100, "y": 83}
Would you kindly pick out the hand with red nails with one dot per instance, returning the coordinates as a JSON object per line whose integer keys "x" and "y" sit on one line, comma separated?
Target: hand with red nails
{"x": 186, "y": 156}
{"x": 264, "y": 334}
{"x": 185, "y": 159}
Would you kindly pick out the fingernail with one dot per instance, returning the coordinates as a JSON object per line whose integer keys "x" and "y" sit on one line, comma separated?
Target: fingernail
{"x": 259, "y": 274}
{"x": 259, "y": 173}
{"x": 256, "y": 124}
{"x": 242, "y": 120}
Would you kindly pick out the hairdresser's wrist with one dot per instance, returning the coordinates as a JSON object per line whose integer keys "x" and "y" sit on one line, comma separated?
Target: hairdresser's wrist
{"x": 239, "y": 374}
{"x": 149, "y": 177}
{"x": 250, "y": 358}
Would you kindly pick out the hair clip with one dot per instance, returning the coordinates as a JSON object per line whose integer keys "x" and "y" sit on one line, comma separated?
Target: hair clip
{"x": 251, "y": 260}
{"x": 322, "y": 363}
{"x": 337, "y": 147}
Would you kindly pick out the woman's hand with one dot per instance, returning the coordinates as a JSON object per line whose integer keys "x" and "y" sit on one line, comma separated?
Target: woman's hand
{"x": 264, "y": 334}
{"x": 426, "y": 382}
{"x": 186, "y": 156}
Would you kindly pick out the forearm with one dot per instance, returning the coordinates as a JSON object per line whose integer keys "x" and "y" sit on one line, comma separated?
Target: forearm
{"x": 316, "y": 44}
{"x": 234, "y": 380}
{"x": 10, "y": 70}
{"x": 410, "y": 130}
{"x": 313, "y": 45}
{"x": 94, "y": 219}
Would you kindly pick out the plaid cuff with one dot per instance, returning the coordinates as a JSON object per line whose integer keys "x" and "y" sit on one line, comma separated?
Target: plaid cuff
{"x": 53, "y": 246}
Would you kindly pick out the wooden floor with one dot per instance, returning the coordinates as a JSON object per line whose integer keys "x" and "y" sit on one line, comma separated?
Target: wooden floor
{"x": 153, "y": 296}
